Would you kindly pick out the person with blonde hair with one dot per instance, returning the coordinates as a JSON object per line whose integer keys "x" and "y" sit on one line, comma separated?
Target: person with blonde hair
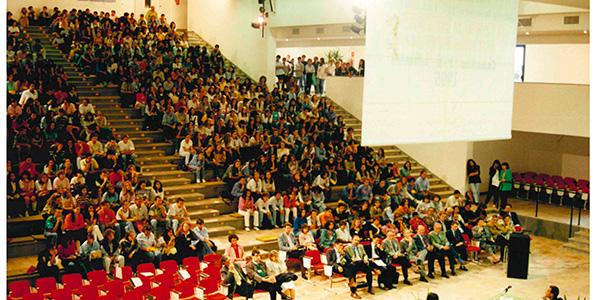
{"x": 284, "y": 278}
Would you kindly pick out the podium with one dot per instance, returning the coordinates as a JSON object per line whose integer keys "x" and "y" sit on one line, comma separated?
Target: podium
{"x": 518, "y": 256}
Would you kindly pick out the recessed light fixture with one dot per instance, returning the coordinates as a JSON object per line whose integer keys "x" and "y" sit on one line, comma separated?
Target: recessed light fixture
{"x": 318, "y": 39}
{"x": 527, "y": 33}
{"x": 351, "y": 37}
{"x": 287, "y": 40}
{"x": 585, "y": 32}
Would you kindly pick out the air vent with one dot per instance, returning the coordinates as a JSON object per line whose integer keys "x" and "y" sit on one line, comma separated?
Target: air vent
{"x": 571, "y": 20}
{"x": 320, "y": 30}
{"x": 525, "y": 22}
{"x": 296, "y": 31}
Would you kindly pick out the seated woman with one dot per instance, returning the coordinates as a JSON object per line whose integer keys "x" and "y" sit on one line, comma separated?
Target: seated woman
{"x": 328, "y": 236}
{"x": 74, "y": 225}
{"x": 167, "y": 244}
{"x": 306, "y": 239}
{"x": 130, "y": 250}
{"x": 48, "y": 263}
{"x": 343, "y": 233}
{"x": 68, "y": 252}
{"x": 286, "y": 279}
{"x": 483, "y": 237}
{"x": 235, "y": 251}
{"x": 184, "y": 242}
{"x": 235, "y": 279}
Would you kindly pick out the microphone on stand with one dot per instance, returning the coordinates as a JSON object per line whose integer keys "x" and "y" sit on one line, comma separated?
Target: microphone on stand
{"x": 507, "y": 288}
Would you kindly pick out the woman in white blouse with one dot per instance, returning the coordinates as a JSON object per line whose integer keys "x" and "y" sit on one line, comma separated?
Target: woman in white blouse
{"x": 306, "y": 238}
{"x": 278, "y": 269}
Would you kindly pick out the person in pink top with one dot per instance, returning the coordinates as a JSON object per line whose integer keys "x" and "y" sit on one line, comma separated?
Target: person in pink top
{"x": 247, "y": 208}
{"x": 235, "y": 251}
{"x": 74, "y": 225}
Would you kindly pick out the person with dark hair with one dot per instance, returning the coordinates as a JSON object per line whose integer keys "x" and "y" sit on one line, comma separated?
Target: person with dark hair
{"x": 110, "y": 249}
{"x": 256, "y": 270}
{"x": 494, "y": 183}
{"x": 506, "y": 183}
{"x": 552, "y": 293}
{"x": 91, "y": 254}
{"x": 432, "y": 296}
{"x": 287, "y": 242}
{"x": 235, "y": 279}
{"x": 48, "y": 262}
{"x": 357, "y": 259}
{"x": 474, "y": 178}
{"x": 235, "y": 251}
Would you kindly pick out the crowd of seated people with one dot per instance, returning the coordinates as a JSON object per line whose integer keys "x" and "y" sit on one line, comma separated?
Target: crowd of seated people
{"x": 280, "y": 152}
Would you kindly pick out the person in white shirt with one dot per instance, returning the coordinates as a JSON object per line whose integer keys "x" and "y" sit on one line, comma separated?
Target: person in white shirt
{"x": 127, "y": 151}
{"x": 321, "y": 76}
{"x": 255, "y": 184}
{"x": 275, "y": 206}
{"x": 185, "y": 147}
{"x": 86, "y": 107}
{"x": 299, "y": 73}
{"x": 30, "y": 93}
{"x": 177, "y": 214}
{"x": 279, "y": 68}
{"x": 454, "y": 200}
{"x": 263, "y": 210}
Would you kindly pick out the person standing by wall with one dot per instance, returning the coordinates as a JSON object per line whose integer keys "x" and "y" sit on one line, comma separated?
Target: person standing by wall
{"x": 494, "y": 182}
{"x": 506, "y": 181}
{"x": 474, "y": 178}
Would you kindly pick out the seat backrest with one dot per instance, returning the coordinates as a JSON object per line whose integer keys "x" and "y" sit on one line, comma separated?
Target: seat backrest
{"x": 45, "y": 285}
{"x": 19, "y": 288}
{"x": 192, "y": 263}
{"x": 116, "y": 287}
{"x": 133, "y": 295}
{"x": 72, "y": 281}
{"x": 185, "y": 289}
{"x": 161, "y": 293}
{"x": 62, "y": 294}
{"x": 97, "y": 277}
{"x": 169, "y": 265}
{"x": 147, "y": 267}
{"x": 88, "y": 292}
{"x": 166, "y": 279}
{"x": 126, "y": 273}
{"x": 34, "y": 296}
{"x": 467, "y": 239}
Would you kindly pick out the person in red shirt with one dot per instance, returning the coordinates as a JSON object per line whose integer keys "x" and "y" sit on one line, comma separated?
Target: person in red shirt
{"x": 116, "y": 177}
{"x": 108, "y": 219}
{"x": 74, "y": 225}
{"x": 82, "y": 148}
{"x": 27, "y": 166}
{"x": 415, "y": 221}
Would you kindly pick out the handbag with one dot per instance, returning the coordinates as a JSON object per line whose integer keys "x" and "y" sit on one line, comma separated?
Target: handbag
{"x": 95, "y": 254}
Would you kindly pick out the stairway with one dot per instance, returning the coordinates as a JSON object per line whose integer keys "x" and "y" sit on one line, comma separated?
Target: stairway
{"x": 156, "y": 158}
{"x": 580, "y": 242}
{"x": 392, "y": 153}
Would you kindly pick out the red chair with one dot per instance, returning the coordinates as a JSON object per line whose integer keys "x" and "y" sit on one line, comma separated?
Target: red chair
{"x": 470, "y": 248}
{"x": 160, "y": 293}
{"x": 72, "y": 281}
{"x": 166, "y": 279}
{"x": 126, "y": 273}
{"x": 192, "y": 262}
{"x": 169, "y": 265}
{"x": 185, "y": 289}
{"x": 45, "y": 285}
{"x": 88, "y": 292}
{"x": 34, "y": 296}
{"x": 146, "y": 268}
{"x": 133, "y": 295}
{"x": 19, "y": 288}
{"x": 115, "y": 288}
{"x": 97, "y": 278}
{"x": 315, "y": 260}
{"x": 61, "y": 295}
{"x": 213, "y": 259}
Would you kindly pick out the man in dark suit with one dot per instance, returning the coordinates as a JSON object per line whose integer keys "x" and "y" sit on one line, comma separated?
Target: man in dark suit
{"x": 422, "y": 250}
{"x": 337, "y": 260}
{"x": 513, "y": 215}
{"x": 457, "y": 243}
{"x": 397, "y": 254}
{"x": 236, "y": 280}
{"x": 287, "y": 242}
{"x": 357, "y": 259}
{"x": 256, "y": 270}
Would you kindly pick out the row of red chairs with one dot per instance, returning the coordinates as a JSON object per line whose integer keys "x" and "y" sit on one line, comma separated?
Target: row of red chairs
{"x": 556, "y": 181}
{"x": 158, "y": 284}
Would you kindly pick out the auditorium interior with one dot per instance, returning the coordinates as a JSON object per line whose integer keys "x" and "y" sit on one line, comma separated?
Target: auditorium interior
{"x": 283, "y": 149}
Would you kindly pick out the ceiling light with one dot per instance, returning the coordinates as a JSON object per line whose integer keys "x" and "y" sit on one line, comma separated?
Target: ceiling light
{"x": 351, "y": 37}
{"x": 527, "y": 33}
{"x": 287, "y": 40}
{"x": 318, "y": 39}
{"x": 585, "y": 32}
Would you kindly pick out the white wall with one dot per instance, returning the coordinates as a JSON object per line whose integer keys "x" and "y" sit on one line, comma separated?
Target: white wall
{"x": 227, "y": 23}
{"x": 347, "y": 93}
{"x": 552, "y": 108}
{"x": 311, "y": 12}
{"x": 557, "y": 63}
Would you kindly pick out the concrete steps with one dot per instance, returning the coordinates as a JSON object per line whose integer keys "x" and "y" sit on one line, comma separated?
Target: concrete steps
{"x": 164, "y": 175}
{"x": 580, "y": 242}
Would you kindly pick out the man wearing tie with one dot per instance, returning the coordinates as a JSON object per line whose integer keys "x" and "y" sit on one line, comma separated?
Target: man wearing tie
{"x": 359, "y": 261}
{"x": 235, "y": 278}
{"x": 423, "y": 250}
{"x": 457, "y": 243}
{"x": 287, "y": 242}
{"x": 438, "y": 238}
{"x": 397, "y": 254}
{"x": 337, "y": 260}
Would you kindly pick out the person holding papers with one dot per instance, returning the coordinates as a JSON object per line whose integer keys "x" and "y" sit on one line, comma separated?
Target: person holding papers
{"x": 396, "y": 254}
{"x": 380, "y": 261}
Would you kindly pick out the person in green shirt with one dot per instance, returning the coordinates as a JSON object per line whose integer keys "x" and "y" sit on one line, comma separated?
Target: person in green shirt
{"x": 52, "y": 226}
{"x": 506, "y": 182}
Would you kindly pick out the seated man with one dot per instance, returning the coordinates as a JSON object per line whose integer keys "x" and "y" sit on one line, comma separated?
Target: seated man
{"x": 275, "y": 206}
{"x": 287, "y": 242}
{"x": 457, "y": 243}
{"x": 127, "y": 152}
{"x": 110, "y": 250}
{"x": 422, "y": 185}
{"x": 196, "y": 165}
{"x": 203, "y": 244}
{"x": 337, "y": 260}
{"x": 421, "y": 250}
{"x": 264, "y": 214}
{"x": 177, "y": 214}
{"x": 397, "y": 254}
{"x": 257, "y": 271}
{"x": 91, "y": 254}
{"x": 442, "y": 247}
{"x": 148, "y": 247}
{"x": 235, "y": 278}
{"x": 158, "y": 215}
{"x": 358, "y": 260}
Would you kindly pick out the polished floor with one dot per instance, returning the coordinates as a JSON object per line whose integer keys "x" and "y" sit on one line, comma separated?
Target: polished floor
{"x": 551, "y": 212}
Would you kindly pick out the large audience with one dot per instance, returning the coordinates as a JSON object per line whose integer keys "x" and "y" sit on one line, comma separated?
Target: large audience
{"x": 280, "y": 151}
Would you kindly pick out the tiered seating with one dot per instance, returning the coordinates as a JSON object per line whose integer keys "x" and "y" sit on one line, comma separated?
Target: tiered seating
{"x": 552, "y": 189}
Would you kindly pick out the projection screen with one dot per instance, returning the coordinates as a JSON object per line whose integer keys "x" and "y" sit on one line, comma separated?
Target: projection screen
{"x": 438, "y": 71}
